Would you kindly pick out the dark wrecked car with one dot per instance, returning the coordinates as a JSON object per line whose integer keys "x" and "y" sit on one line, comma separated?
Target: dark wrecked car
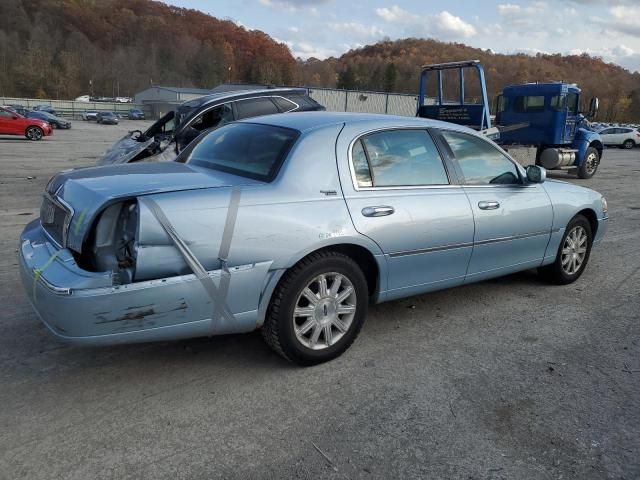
{"x": 167, "y": 137}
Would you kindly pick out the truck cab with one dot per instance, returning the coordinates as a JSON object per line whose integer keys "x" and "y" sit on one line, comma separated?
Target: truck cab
{"x": 550, "y": 110}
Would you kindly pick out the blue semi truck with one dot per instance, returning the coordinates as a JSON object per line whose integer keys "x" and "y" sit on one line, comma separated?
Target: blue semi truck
{"x": 541, "y": 117}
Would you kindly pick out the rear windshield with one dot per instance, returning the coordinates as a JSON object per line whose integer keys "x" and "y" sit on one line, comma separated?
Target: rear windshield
{"x": 246, "y": 149}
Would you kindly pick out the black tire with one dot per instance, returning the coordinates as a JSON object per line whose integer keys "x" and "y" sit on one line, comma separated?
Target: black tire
{"x": 34, "y": 133}
{"x": 278, "y": 329}
{"x": 590, "y": 164}
{"x": 629, "y": 144}
{"x": 555, "y": 272}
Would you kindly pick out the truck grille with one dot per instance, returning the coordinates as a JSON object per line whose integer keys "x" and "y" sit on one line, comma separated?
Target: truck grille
{"x": 54, "y": 219}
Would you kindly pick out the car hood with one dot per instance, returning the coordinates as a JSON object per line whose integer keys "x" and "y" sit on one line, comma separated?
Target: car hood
{"x": 87, "y": 191}
{"x": 124, "y": 150}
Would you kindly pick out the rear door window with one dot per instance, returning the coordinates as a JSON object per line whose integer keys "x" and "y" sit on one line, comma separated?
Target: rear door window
{"x": 398, "y": 158}
{"x": 255, "y": 107}
{"x": 284, "y": 105}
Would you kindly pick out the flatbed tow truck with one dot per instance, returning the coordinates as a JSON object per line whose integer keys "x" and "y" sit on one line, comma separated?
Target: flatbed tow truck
{"x": 540, "y": 122}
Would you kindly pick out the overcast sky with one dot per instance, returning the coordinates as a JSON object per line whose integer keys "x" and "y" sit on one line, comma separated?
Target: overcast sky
{"x": 323, "y": 28}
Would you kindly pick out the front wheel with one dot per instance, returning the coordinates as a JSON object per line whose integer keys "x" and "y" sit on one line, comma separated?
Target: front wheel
{"x": 317, "y": 309}
{"x": 628, "y": 144}
{"x": 590, "y": 163}
{"x": 34, "y": 133}
{"x": 573, "y": 253}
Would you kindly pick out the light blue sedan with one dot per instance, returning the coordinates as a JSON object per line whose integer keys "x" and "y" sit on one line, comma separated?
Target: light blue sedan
{"x": 294, "y": 223}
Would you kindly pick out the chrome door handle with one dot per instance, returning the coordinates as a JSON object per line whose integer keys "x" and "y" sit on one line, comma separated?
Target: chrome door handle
{"x": 492, "y": 205}
{"x": 380, "y": 211}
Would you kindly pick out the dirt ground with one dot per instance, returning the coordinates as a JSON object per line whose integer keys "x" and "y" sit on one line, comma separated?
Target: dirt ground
{"x": 504, "y": 379}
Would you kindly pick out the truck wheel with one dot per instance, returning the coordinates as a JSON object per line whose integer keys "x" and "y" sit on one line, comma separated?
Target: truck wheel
{"x": 34, "y": 133}
{"x": 629, "y": 144}
{"x": 573, "y": 253}
{"x": 317, "y": 310}
{"x": 590, "y": 163}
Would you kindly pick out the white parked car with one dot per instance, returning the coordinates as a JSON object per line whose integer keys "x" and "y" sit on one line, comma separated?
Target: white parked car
{"x": 623, "y": 137}
{"x": 90, "y": 115}
{"x": 83, "y": 98}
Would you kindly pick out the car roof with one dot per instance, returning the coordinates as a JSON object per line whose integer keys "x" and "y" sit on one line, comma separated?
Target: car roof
{"x": 307, "y": 121}
{"x": 237, "y": 94}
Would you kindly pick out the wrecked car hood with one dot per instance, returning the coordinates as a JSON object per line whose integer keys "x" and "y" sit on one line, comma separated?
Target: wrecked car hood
{"x": 88, "y": 190}
{"x": 124, "y": 150}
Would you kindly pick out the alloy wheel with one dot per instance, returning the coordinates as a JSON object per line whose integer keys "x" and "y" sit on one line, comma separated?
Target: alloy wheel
{"x": 592, "y": 163}
{"x": 574, "y": 250}
{"x": 34, "y": 133}
{"x": 324, "y": 311}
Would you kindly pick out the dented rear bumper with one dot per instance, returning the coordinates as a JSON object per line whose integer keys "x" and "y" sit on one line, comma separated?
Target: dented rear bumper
{"x": 85, "y": 308}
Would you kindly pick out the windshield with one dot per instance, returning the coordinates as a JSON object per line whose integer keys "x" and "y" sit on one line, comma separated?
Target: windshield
{"x": 246, "y": 149}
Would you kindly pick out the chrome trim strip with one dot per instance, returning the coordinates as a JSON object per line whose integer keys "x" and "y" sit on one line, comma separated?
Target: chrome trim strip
{"x": 268, "y": 96}
{"x": 467, "y": 244}
{"x": 431, "y": 249}
{"x": 229, "y": 102}
{"x": 417, "y": 187}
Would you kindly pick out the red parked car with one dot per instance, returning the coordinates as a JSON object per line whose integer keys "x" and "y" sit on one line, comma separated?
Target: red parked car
{"x": 12, "y": 123}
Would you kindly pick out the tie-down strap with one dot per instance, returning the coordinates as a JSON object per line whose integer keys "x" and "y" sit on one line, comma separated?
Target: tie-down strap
{"x": 217, "y": 294}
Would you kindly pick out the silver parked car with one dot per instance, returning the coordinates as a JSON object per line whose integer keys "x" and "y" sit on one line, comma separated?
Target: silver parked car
{"x": 623, "y": 137}
{"x": 294, "y": 223}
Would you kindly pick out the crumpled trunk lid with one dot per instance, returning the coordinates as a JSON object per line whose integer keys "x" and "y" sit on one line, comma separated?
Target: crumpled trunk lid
{"x": 87, "y": 191}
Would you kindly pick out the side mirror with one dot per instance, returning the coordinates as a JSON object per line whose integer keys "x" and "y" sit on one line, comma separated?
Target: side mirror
{"x": 593, "y": 107}
{"x": 15, "y": 117}
{"x": 536, "y": 174}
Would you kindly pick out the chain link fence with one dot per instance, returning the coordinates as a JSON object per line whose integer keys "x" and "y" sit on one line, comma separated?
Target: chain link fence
{"x": 365, "y": 102}
{"x": 72, "y": 109}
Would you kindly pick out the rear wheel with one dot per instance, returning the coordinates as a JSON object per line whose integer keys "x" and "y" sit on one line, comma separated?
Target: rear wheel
{"x": 317, "y": 310}
{"x": 573, "y": 253}
{"x": 590, "y": 164}
{"x": 629, "y": 144}
{"x": 34, "y": 133}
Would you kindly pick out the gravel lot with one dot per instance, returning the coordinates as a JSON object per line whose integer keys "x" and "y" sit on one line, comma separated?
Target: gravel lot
{"x": 505, "y": 379}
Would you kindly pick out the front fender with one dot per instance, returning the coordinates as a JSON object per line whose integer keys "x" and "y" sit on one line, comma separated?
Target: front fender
{"x": 583, "y": 140}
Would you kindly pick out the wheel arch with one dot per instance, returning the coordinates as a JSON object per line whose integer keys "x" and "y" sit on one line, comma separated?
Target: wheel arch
{"x": 591, "y": 216}
{"x": 597, "y": 144}
{"x": 33, "y": 125}
{"x": 372, "y": 265}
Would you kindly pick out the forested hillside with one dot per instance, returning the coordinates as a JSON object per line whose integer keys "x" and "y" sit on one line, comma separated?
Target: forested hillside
{"x": 53, "y": 48}
{"x": 393, "y": 66}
